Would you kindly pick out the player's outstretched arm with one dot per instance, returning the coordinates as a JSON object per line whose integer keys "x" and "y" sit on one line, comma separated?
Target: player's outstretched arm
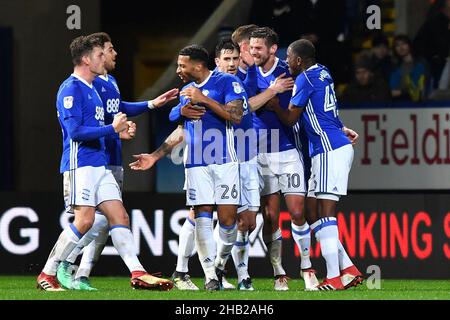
{"x": 165, "y": 97}
{"x": 136, "y": 108}
{"x": 145, "y": 161}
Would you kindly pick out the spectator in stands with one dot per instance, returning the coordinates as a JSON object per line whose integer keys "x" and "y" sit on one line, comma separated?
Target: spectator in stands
{"x": 367, "y": 86}
{"x": 408, "y": 80}
{"x": 433, "y": 39}
{"x": 322, "y": 21}
{"x": 380, "y": 56}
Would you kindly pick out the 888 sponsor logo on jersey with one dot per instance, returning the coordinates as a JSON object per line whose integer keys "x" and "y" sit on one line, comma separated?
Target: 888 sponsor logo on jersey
{"x": 112, "y": 106}
{"x": 100, "y": 115}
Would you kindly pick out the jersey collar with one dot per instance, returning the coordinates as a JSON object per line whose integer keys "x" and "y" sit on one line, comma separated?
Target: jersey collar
{"x": 205, "y": 81}
{"x": 242, "y": 70}
{"x": 104, "y": 77}
{"x": 82, "y": 80}
{"x": 268, "y": 73}
{"x": 312, "y": 67}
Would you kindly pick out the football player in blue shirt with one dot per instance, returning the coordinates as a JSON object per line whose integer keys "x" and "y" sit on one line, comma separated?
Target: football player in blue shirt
{"x": 87, "y": 182}
{"x": 331, "y": 151}
{"x": 96, "y": 238}
{"x": 212, "y": 168}
{"x": 280, "y": 164}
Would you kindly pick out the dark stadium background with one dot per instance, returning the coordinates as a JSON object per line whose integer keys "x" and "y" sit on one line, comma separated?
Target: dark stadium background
{"x": 397, "y": 215}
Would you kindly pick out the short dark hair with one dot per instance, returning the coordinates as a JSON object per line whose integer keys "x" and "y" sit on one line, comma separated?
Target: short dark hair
{"x": 304, "y": 49}
{"x": 196, "y": 52}
{"x": 243, "y": 33}
{"x": 102, "y": 37}
{"x": 270, "y": 36}
{"x": 82, "y": 46}
{"x": 226, "y": 44}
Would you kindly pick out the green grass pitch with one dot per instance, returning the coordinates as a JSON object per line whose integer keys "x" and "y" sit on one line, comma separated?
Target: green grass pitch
{"x": 118, "y": 288}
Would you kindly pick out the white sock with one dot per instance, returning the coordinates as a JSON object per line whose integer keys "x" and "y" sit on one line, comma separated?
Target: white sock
{"x": 205, "y": 244}
{"x": 186, "y": 245}
{"x": 273, "y": 243}
{"x": 123, "y": 241}
{"x": 240, "y": 255}
{"x": 100, "y": 222}
{"x": 227, "y": 238}
{"x": 92, "y": 253}
{"x": 66, "y": 242}
{"x": 315, "y": 228}
{"x": 344, "y": 259}
{"x": 329, "y": 238}
{"x": 302, "y": 237}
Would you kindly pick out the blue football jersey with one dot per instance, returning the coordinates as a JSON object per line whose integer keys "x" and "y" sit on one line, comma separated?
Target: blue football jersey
{"x": 245, "y": 134}
{"x": 210, "y": 140}
{"x": 266, "y": 122}
{"x": 314, "y": 90}
{"x": 110, "y": 94}
{"x": 78, "y": 99}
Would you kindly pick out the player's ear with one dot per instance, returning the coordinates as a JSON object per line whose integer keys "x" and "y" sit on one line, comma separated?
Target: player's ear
{"x": 86, "y": 59}
{"x": 273, "y": 49}
{"x": 217, "y": 61}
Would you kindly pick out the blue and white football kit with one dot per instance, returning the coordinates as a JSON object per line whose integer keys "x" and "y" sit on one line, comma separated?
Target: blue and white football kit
{"x": 246, "y": 144}
{"x": 87, "y": 182}
{"x": 330, "y": 149}
{"x": 280, "y": 165}
{"x": 107, "y": 88}
{"x": 212, "y": 169}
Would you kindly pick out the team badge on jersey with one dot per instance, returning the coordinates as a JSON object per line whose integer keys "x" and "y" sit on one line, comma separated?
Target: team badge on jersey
{"x": 68, "y": 102}
{"x": 237, "y": 87}
{"x": 205, "y": 92}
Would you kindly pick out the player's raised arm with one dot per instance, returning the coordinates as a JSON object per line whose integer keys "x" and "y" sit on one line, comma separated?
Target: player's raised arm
{"x": 145, "y": 161}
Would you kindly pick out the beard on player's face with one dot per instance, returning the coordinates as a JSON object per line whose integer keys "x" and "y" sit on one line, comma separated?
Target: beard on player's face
{"x": 110, "y": 65}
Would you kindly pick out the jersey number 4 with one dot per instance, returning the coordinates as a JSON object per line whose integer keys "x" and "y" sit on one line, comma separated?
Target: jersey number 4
{"x": 330, "y": 100}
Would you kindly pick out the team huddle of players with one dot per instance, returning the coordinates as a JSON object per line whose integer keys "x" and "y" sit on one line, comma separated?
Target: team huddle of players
{"x": 250, "y": 129}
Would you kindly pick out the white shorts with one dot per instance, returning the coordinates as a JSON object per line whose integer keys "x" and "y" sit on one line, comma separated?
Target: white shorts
{"x": 89, "y": 186}
{"x": 117, "y": 172}
{"x": 281, "y": 171}
{"x": 213, "y": 184}
{"x": 329, "y": 172}
{"x": 248, "y": 173}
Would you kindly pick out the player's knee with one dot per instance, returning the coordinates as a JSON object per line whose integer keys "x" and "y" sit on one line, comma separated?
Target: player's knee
{"x": 298, "y": 218}
{"x": 242, "y": 225}
{"x": 84, "y": 224}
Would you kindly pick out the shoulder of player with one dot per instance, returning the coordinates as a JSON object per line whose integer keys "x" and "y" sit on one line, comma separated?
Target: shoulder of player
{"x": 70, "y": 87}
{"x": 223, "y": 78}
{"x": 190, "y": 84}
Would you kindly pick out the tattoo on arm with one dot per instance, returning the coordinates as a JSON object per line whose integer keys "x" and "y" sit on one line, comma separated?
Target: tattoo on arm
{"x": 235, "y": 110}
{"x": 172, "y": 140}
